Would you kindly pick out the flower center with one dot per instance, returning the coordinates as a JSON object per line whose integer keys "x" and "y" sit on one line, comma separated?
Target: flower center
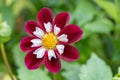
{"x": 49, "y": 41}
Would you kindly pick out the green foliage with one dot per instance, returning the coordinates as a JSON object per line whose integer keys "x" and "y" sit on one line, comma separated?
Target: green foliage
{"x": 24, "y": 74}
{"x": 103, "y": 26}
{"x": 71, "y": 72}
{"x": 108, "y": 6}
{"x": 99, "y": 20}
{"x": 84, "y": 12}
{"x": 95, "y": 69}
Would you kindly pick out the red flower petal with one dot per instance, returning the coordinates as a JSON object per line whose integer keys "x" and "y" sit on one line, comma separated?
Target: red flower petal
{"x": 70, "y": 53}
{"x": 73, "y": 32}
{"x": 25, "y": 44}
{"x": 32, "y": 62}
{"x": 61, "y": 19}
{"x": 44, "y": 15}
{"x": 53, "y": 65}
{"x": 30, "y": 26}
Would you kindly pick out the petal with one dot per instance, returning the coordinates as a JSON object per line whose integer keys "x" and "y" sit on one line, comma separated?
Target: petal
{"x": 36, "y": 42}
{"x": 30, "y": 26}
{"x": 45, "y": 15}
{"x": 61, "y": 19}
{"x": 39, "y": 52}
{"x": 32, "y": 62}
{"x": 51, "y": 54}
{"x": 38, "y": 32}
{"x": 73, "y": 32}
{"x": 26, "y": 44}
{"x": 53, "y": 65}
{"x": 70, "y": 53}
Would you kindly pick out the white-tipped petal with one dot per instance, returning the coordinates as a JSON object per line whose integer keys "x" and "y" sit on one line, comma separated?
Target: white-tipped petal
{"x": 60, "y": 48}
{"x": 56, "y": 30}
{"x": 51, "y": 54}
{"x": 48, "y": 27}
{"x": 63, "y": 38}
{"x": 39, "y": 52}
{"x": 38, "y": 32}
{"x": 36, "y": 42}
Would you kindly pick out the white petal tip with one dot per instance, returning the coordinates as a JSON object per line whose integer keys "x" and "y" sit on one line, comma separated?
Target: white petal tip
{"x": 51, "y": 54}
{"x": 39, "y": 52}
{"x": 48, "y": 27}
{"x": 63, "y": 38}
{"x": 38, "y": 32}
{"x": 56, "y": 30}
{"x": 36, "y": 42}
{"x": 60, "y": 49}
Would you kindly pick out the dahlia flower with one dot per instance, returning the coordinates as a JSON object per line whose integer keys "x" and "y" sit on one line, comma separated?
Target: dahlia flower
{"x": 50, "y": 40}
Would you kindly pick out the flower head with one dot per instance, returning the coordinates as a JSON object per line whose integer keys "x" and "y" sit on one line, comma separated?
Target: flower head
{"x": 50, "y": 40}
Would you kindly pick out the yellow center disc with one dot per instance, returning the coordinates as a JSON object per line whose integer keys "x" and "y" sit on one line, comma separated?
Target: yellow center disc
{"x": 49, "y": 41}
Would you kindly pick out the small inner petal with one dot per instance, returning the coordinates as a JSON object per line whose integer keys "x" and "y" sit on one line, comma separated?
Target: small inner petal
{"x": 63, "y": 38}
{"x": 56, "y": 30}
{"x": 39, "y": 52}
{"x": 60, "y": 48}
{"x": 38, "y": 32}
{"x": 48, "y": 27}
{"x": 36, "y": 42}
{"x": 51, "y": 54}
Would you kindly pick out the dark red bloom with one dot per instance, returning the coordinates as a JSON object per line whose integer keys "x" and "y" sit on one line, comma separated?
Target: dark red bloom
{"x": 50, "y": 40}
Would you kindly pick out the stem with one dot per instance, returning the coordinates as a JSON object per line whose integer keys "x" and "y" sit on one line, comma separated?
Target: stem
{"x": 6, "y": 61}
{"x": 54, "y": 76}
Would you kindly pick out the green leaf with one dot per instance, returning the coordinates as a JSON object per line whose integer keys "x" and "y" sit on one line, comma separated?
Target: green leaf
{"x": 95, "y": 69}
{"x": 22, "y": 71}
{"x": 71, "y": 71}
{"x": 84, "y": 12}
{"x": 108, "y": 6}
{"x": 24, "y": 74}
{"x": 103, "y": 26}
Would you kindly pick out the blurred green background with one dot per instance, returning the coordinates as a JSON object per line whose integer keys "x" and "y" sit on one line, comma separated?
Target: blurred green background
{"x": 99, "y": 48}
